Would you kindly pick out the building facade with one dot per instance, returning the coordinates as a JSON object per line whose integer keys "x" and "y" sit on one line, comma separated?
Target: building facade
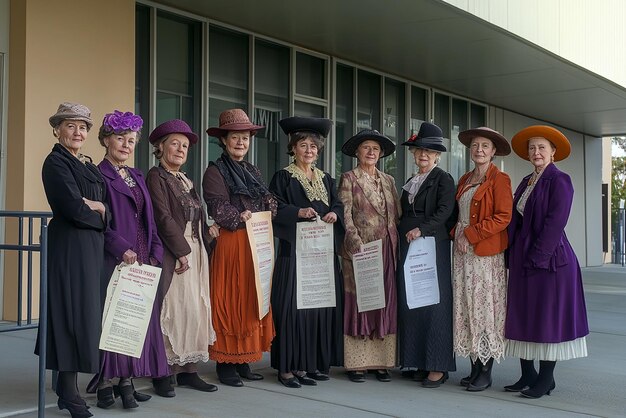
{"x": 365, "y": 64}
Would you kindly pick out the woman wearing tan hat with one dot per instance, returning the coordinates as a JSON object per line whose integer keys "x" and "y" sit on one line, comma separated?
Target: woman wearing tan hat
{"x": 76, "y": 192}
{"x": 184, "y": 286}
{"x": 485, "y": 202}
{"x": 372, "y": 210}
{"x": 427, "y": 202}
{"x": 546, "y": 318}
{"x": 233, "y": 189}
{"x": 308, "y": 341}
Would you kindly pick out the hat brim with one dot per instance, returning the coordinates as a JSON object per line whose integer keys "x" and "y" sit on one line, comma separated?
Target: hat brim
{"x": 153, "y": 139}
{"x": 351, "y": 145}
{"x": 519, "y": 142}
{"x": 502, "y": 145}
{"x": 223, "y": 130}
{"x": 420, "y": 144}
{"x": 55, "y": 120}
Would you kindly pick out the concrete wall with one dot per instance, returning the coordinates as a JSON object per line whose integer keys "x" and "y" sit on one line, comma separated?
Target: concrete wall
{"x": 4, "y": 57}
{"x": 591, "y": 34}
{"x": 83, "y": 51}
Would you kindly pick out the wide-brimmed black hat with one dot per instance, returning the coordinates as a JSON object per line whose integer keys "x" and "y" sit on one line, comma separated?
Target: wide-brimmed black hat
{"x": 429, "y": 136}
{"x": 351, "y": 145}
{"x": 301, "y": 124}
{"x": 499, "y": 142}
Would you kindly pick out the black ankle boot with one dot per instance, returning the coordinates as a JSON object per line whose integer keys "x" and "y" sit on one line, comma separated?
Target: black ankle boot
{"x": 194, "y": 381}
{"x": 105, "y": 397}
{"x": 227, "y": 373}
{"x": 128, "y": 400}
{"x": 163, "y": 387}
{"x": 483, "y": 380}
{"x": 545, "y": 381}
{"x": 473, "y": 373}
{"x": 529, "y": 376}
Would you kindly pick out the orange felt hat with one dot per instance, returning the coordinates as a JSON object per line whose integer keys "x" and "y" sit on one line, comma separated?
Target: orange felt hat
{"x": 519, "y": 143}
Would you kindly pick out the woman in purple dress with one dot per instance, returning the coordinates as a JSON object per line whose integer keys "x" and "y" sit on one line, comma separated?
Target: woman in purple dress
{"x": 546, "y": 319}
{"x": 131, "y": 237}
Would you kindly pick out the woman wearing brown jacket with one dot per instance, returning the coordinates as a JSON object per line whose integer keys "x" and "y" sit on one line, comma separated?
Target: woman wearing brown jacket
{"x": 184, "y": 286}
{"x": 479, "y": 279}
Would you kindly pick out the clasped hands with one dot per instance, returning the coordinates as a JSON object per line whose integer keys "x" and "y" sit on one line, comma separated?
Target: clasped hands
{"x": 310, "y": 213}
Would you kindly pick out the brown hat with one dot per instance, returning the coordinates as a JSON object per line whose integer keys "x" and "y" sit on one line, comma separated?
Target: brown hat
{"x": 556, "y": 137}
{"x": 71, "y": 111}
{"x": 499, "y": 142}
{"x": 233, "y": 120}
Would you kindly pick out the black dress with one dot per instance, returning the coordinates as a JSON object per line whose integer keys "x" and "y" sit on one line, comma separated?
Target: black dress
{"x": 425, "y": 334}
{"x": 75, "y": 261}
{"x": 306, "y": 339}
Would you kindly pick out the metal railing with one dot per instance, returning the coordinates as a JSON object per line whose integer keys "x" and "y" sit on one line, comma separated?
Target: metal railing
{"x": 30, "y": 248}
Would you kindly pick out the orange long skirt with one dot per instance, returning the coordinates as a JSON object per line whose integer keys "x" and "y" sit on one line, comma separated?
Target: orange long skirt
{"x": 241, "y": 336}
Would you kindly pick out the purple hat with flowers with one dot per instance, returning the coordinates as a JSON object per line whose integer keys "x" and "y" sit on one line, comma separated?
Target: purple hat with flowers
{"x": 120, "y": 122}
{"x": 174, "y": 126}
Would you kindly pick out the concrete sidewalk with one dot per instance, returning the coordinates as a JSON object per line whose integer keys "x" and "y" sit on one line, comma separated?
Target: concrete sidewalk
{"x": 593, "y": 386}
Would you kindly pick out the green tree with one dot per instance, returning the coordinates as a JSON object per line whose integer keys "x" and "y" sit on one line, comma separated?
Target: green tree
{"x": 618, "y": 180}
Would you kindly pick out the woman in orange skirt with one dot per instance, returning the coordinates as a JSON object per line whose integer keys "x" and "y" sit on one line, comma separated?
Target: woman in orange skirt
{"x": 233, "y": 189}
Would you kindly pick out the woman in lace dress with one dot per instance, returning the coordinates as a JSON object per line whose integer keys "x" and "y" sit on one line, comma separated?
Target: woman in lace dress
{"x": 479, "y": 276}
{"x": 184, "y": 286}
{"x": 233, "y": 189}
{"x": 308, "y": 341}
{"x": 372, "y": 211}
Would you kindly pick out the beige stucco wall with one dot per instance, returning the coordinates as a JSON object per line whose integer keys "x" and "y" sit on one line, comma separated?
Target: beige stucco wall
{"x": 74, "y": 50}
{"x": 591, "y": 34}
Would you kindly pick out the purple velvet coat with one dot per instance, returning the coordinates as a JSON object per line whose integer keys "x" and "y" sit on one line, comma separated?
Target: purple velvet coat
{"x": 122, "y": 232}
{"x": 545, "y": 301}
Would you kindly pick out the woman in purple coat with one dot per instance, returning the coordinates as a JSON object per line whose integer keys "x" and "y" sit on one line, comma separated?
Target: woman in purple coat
{"x": 131, "y": 237}
{"x": 546, "y": 316}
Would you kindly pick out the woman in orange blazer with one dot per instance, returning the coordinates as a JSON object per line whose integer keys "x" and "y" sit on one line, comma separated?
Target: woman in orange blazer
{"x": 479, "y": 280}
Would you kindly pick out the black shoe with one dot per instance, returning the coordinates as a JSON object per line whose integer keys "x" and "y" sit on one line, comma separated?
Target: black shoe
{"x": 408, "y": 374}
{"x": 528, "y": 379}
{"x": 420, "y": 375}
{"x": 483, "y": 380}
{"x": 128, "y": 400}
{"x": 163, "y": 387}
{"x": 318, "y": 376}
{"x": 139, "y": 397}
{"x": 356, "y": 377}
{"x": 76, "y": 407}
{"x": 105, "y": 397}
{"x": 244, "y": 371}
{"x": 292, "y": 382}
{"x": 427, "y": 383}
{"x": 193, "y": 380}
{"x": 383, "y": 376}
{"x": 473, "y": 374}
{"x": 306, "y": 381}
{"x": 227, "y": 373}
{"x": 538, "y": 391}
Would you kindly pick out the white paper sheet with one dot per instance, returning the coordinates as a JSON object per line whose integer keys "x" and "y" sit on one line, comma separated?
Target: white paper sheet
{"x": 261, "y": 239}
{"x": 369, "y": 276}
{"x": 420, "y": 273}
{"x": 315, "y": 268}
{"x": 128, "y": 308}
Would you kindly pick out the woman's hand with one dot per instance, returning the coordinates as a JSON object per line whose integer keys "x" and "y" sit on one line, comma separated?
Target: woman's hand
{"x": 307, "y": 213}
{"x": 330, "y": 218}
{"x": 214, "y": 231}
{"x": 460, "y": 240}
{"x": 245, "y": 215}
{"x": 184, "y": 265}
{"x": 129, "y": 257}
{"x": 413, "y": 234}
{"x": 95, "y": 205}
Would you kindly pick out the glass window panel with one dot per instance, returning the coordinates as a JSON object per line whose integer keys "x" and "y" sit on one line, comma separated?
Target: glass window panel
{"x": 394, "y": 125}
{"x": 173, "y": 54}
{"x": 368, "y": 99}
{"x": 310, "y": 75}
{"x": 344, "y": 117}
{"x": 458, "y": 151}
{"x": 442, "y": 119}
{"x": 228, "y": 77}
{"x": 418, "y": 108}
{"x": 143, "y": 150}
{"x": 478, "y": 115}
{"x": 271, "y": 100}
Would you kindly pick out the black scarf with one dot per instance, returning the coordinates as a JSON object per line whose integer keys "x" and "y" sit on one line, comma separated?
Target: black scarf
{"x": 239, "y": 179}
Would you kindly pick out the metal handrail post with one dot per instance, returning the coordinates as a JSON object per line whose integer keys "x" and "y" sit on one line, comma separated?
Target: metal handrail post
{"x": 43, "y": 320}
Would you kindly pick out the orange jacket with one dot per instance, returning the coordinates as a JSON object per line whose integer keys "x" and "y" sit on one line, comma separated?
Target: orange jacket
{"x": 490, "y": 212}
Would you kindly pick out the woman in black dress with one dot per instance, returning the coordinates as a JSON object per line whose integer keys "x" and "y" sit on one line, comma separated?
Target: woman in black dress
{"x": 308, "y": 341}
{"x": 75, "y": 191}
{"x": 428, "y": 202}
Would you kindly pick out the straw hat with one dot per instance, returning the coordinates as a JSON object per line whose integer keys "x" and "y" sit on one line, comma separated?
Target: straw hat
{"x": 233, "y": 120}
